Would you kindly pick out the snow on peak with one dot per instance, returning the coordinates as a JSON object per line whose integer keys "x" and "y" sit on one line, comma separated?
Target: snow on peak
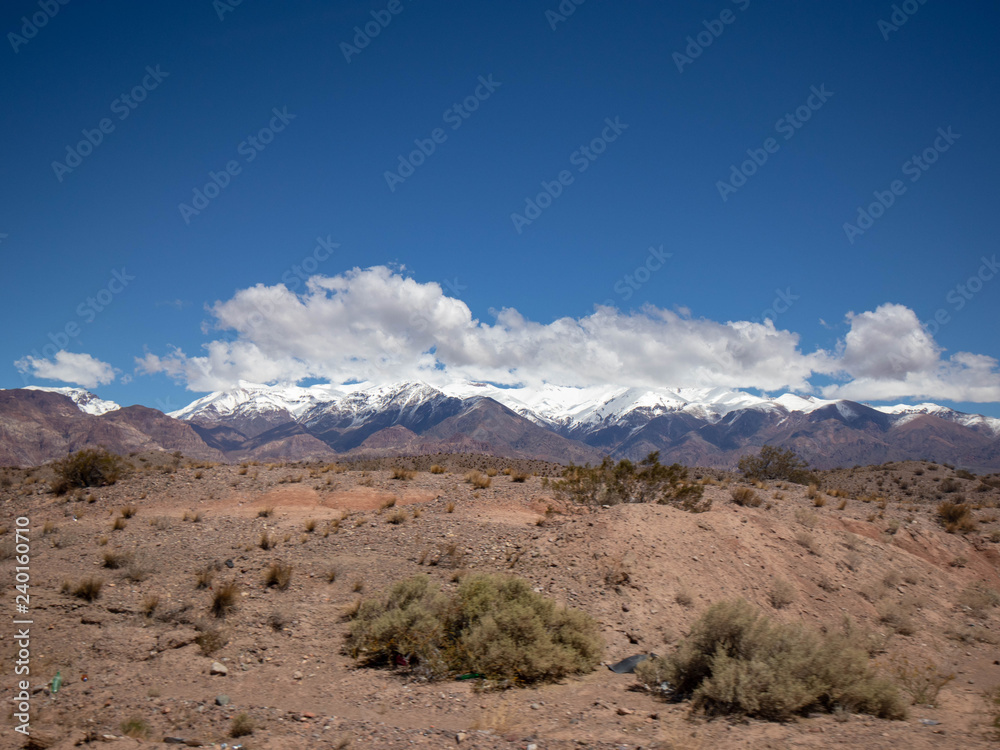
{"x": 588, "y": 407}
{"x": 85, "y": 401}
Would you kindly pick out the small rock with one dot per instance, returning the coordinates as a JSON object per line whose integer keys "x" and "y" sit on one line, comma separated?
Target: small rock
{"x": 296, "y": 675}
{"x": 535, "y": 706}
{"x": 222, "y": 700}
{"x": 308, "y": 715}
{"x": 229, "y": 563}
{"x": 625, "y": 711}
{"x": 460, "y": 737}
{"x": 219, "y": 669}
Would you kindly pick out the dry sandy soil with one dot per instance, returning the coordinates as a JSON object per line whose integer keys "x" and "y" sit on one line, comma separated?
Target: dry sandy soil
{"x": 645, "y": 572}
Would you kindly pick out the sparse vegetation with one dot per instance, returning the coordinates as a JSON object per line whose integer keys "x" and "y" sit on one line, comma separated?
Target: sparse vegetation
{"x": 278, "y": 575}
{"x": 649, "y": 481}
{"x": 745, "y": 496}
{"x": 922, "y": 683}
{"x": 478, "y": 480}
{"x": 438, "y": 469}
{"x": 136, "y": 728}
{"x": 956, "y": 517}
{"x": 492, "y": 625}
{"x": 242, "y": 725}
{"x": 775, "y": 463}
{"x": 89, "y": 589}
{"x": 782, "y": 594}
{"x": 224, "y": 598}
{"x": 87, "y": 468}
{"x": 403, "y": 474}
{"x": 736, "y": 661}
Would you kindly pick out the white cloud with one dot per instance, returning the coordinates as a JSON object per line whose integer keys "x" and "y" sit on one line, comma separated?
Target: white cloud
{"x": 376, "y": 324}
{"x": 887, "y": 355}
{"x": 69, "y": 367}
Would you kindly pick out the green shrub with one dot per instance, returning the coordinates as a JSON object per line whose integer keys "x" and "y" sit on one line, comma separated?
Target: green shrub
{"x": 737, "y": 661}
{"x": 649, "y": 481}
{"x": 776, "y": 463}
{"x": 493, "y": 625}
{"x": 87, "y": 468}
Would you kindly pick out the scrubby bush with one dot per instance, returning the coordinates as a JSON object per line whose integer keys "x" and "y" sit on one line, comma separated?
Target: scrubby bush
{"x": 87, "y": 468}
{"x": 745, "y": 496}
{"x": 493, "y": 625}
{"x": 776, "y": 463}
{"x": 278, "y": 575}
{"x": 737, "y": 661}
{"x": 648, "y": 481}
{"x": 89, "y": 589}
{"x": 478, "y": 480}
{"x": 955, "y": 517}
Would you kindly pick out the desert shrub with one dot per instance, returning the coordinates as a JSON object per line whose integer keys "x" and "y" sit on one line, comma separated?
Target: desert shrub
{"x": 242, "y": 725}
{"x": 955, "y": 517}
{"x": 89, "y": 589}
{"x": 310, "y": 525}
{"x": 224, "y": 598}
{"x": 397, "y": 517}
{"x": 149, "y": 604}
{"x": 403, "y": 474}
{"x": 87, "y": 468}
{"x": 493, "y": 625}
{"x": 922, "y": 683}
{"x": 135, "y": 728}
{"x": 478, "y": 480}
{"x": 745, "y": 496}
{"x": 211, "y": 639}
{"x": 519, "y": 476}
{"x": 114, "y": 559}
{"x": 278, "y": 575}
{"x": 438, "y": 469}
{"x": 898, "y": 616}
{"x": 992, "y": 698}
{"x": 782, "y": 594}
{"x": 649, "y": 481}
{"x": 775, "y": 463}
{"x": 737, "y": 661}
{"x": 978, "y": 599}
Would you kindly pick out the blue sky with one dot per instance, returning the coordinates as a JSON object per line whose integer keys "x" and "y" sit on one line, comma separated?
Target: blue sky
{"x": 668, "y": 255}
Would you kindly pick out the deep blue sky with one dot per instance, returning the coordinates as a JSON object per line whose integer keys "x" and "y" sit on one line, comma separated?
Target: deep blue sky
{"x": 324, "y": 174}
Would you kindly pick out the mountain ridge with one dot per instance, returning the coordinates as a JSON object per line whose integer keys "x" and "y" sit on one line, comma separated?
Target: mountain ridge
{"x": 706, "y": 426}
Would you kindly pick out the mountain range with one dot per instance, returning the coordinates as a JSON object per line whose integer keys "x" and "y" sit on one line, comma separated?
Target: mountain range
{"x": 694, "y": 426}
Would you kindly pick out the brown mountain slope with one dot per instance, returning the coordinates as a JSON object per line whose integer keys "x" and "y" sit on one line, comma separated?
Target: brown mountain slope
{"x": 37, "y": 426}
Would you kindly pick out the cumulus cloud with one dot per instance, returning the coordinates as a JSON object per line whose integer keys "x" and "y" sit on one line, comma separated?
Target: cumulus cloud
{"x": 69, "y": 367}
{"x": 888, "y": 354}
{"x": 376, "y": 324}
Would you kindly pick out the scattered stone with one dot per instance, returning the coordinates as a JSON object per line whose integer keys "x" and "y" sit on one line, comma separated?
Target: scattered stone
{"x": 219, "y": 669}
{"x": 535, "y": 706}
{"x": 222, "y": 700}
{"x": 296, "y": 675}
{"x": 622, "y": 711}
{"x": 460, "y": 737}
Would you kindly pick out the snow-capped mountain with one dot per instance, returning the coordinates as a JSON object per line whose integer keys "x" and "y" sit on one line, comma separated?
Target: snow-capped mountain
{"x": 708, "y": 425}
{"x": 86, "y": 401}
{"x": 695, "y": 426}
